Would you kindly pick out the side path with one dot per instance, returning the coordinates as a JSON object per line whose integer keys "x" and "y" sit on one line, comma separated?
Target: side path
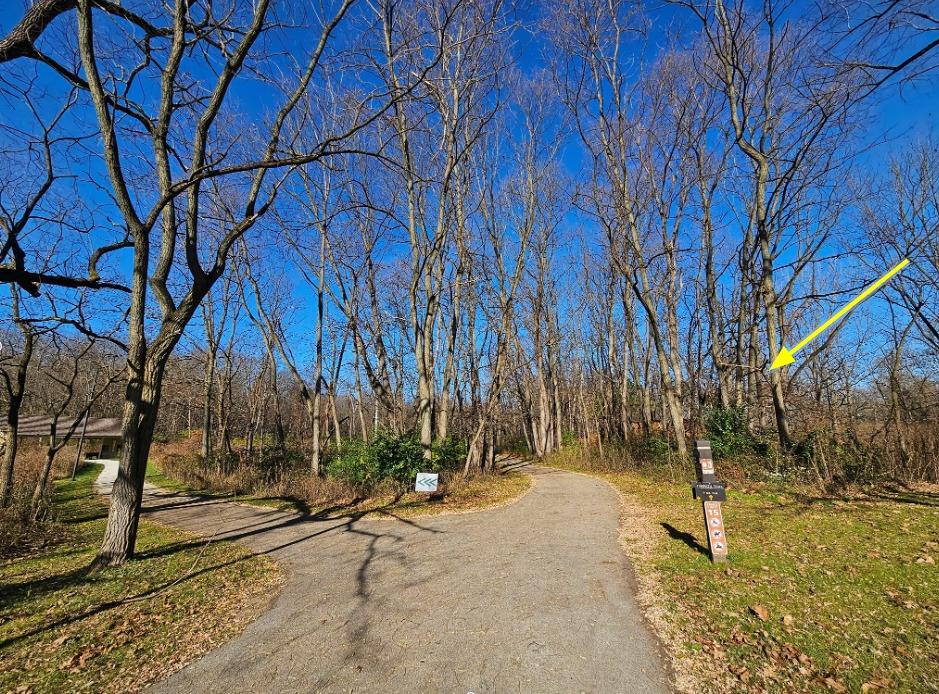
{"x": 531, "y": 597}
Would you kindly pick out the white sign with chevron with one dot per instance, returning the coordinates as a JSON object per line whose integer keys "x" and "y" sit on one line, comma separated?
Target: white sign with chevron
{"x": 426, "y": 482}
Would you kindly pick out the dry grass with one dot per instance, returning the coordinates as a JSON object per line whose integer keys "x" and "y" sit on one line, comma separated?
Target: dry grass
{"x": 329, "y": 498}
{"x": 458, "y": 495}
{"x": 19, "y": 533}
{"x": 176, "y": 466}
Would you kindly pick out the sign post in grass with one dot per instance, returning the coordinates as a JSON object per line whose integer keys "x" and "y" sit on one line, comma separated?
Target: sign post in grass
{"x": 711, "y": 492}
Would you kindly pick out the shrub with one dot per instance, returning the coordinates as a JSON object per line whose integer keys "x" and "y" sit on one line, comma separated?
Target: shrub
{"x": 354, "y": 464}
{"x": 390, "y": 457}
{"x": 838, "y": 460}
{"x": 398, "y": 458}
{"x": 449, "y": 454}
{"x": 652, "y": 449}
{"x": 728, "y": 430}
{"x": 364, "y": 464}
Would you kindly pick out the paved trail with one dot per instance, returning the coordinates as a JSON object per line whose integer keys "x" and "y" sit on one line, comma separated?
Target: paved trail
{"x": 532, "y": 597}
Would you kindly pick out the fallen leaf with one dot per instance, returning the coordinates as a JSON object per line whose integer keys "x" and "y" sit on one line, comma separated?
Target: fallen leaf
{"x": 760, "y": 611}
{"x": 834, "y": 685}
{"x": 788, "y": 620}
{"x": 876, "y": 683}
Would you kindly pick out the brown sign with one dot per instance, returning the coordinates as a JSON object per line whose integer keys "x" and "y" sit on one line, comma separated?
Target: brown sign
{"x": 712, "y": 493}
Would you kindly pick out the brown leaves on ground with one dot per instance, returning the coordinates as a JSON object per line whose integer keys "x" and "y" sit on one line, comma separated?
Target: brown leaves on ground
{"x": 846, "y": 610}
{"x": 122, "y": 645}
{"x": 878, "y": 683}
{"x": 80, "y": 659}
{"x": 775, "y": 665}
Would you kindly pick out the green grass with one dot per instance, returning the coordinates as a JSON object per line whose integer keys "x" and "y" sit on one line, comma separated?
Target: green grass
{"x": 65, "y": 629}
{"x": 851, "y": 599}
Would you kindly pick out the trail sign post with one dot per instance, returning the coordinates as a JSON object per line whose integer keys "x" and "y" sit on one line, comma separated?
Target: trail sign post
{"x": 712, "y": 493}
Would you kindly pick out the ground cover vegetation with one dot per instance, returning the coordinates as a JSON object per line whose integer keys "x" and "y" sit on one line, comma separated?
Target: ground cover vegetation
{"x": 371, "y": 478}
{"x": 63, "y": 627}
{"x": 823, "y": 592}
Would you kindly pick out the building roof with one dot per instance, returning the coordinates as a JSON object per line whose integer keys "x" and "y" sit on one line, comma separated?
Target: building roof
{"x": 100, "y": 428}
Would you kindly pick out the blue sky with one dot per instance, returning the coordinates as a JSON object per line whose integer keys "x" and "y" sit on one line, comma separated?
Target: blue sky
{"x": 896, "y": 116}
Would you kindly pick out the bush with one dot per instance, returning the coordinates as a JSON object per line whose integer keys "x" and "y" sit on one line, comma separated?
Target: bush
{"x": 449, "y": 454}
{"x": 652, "y": 449}
{"x": 389, "y": 457}
{"x": 364, "y": 464}
{"x": 398, "y": 458}
{"x": 728, "y": 430}
{"x": 353, "y": 464}
{"x": 19, "y": 530}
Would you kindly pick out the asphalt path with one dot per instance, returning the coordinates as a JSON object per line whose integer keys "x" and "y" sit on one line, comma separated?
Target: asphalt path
{"x": 536, "y": 596}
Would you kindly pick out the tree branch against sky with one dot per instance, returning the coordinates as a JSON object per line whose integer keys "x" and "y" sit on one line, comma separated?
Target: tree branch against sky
{"x": 467, "y": 224}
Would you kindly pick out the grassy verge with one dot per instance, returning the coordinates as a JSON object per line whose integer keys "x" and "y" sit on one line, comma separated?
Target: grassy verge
{"x": 157, "y": 478}
{"x": 821, "y": 594}
{"x": 460, "y": 496}
{"x": 63, "y": 629}
{"x": 473, "y": 494}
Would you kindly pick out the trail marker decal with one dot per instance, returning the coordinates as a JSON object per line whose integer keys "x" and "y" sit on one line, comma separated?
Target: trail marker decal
{"x": 426, "y": 482}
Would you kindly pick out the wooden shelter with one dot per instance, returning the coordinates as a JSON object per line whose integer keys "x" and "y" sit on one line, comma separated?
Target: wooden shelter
{"x": 100, "y": 437}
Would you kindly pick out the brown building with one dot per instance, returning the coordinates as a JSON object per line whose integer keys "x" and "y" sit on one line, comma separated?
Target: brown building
{"x": 102, "y": 437}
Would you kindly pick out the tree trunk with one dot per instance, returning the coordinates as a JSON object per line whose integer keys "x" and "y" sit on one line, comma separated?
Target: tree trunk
{"x": 772, "y": 334}
{"x": 206, "y": 451}
{"x": 715, "y": 318}
{"x": 142, "y": 401}
{"x": 40, "y": 489}
{"x": 316, "y": 456}
{"x": 9, "y": 452}
{"x": 15, "y": 390}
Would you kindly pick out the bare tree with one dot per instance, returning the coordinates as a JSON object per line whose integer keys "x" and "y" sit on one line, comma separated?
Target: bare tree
{"x": 435, "y": 129}
{"x": 787, "y": 112}
{"x": 77, "y": 389}
{"x": 14, "y": 382}
{"x": 183, "y": 39}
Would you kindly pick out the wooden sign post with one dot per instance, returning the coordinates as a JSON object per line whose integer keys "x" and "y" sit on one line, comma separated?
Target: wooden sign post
{"x": 712, "y": 493}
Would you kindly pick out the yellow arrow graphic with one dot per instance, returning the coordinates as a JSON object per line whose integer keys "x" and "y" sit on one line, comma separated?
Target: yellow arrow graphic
{"x": 785, "y": 356}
